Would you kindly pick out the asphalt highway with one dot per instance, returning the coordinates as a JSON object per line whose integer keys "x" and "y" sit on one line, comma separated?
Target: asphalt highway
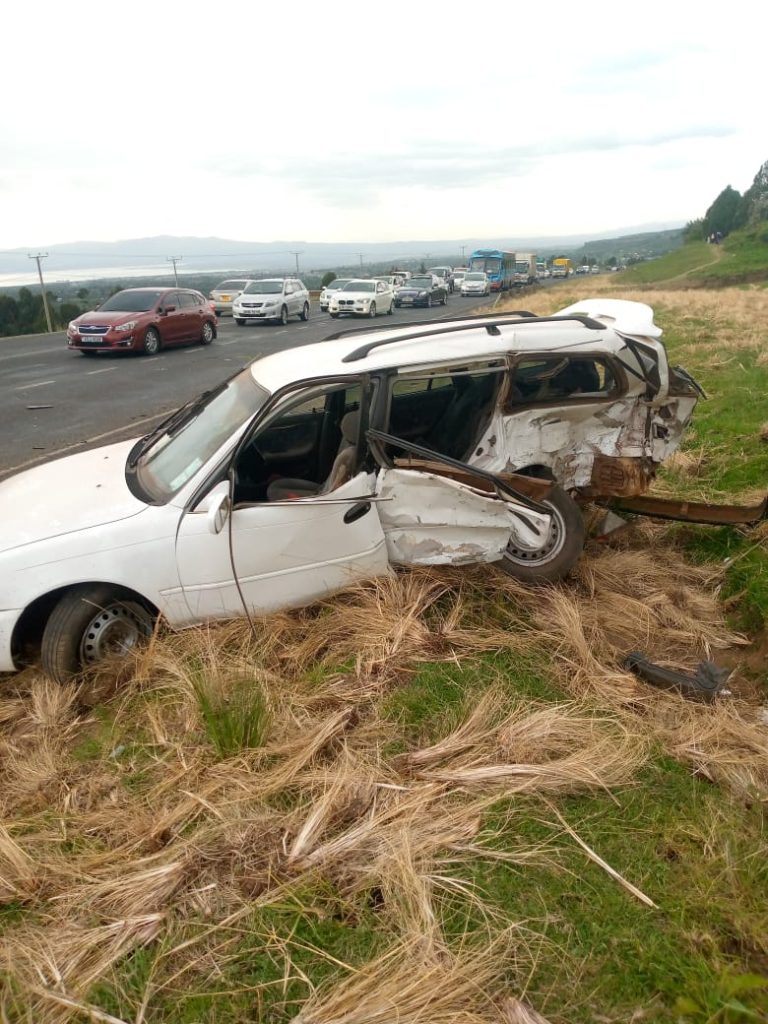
{"x": 54, "y": 402}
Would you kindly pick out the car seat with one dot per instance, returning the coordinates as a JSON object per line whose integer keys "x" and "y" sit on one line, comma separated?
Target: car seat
{"x": 289, "y": 489}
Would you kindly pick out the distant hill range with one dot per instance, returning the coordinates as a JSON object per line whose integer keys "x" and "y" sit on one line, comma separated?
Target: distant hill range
{"x": 201, "y": 254}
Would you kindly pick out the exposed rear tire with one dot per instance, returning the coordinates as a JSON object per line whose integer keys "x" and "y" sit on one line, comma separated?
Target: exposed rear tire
{"x": 561, "y": 550}
{"x": 89, "y": 623}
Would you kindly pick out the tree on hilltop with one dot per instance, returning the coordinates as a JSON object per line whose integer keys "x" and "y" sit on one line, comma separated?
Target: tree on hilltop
{"x": 755, "y": 201}
{"x": 725, "y": 214}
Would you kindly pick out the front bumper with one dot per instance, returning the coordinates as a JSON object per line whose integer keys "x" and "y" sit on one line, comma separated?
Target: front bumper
{"x": 102, "y": 342}
{"x": 8, "y": 620}
{"x": 256, "y": 314}
{"x": 411, "y": 302}
{"x": 351, "y": 310}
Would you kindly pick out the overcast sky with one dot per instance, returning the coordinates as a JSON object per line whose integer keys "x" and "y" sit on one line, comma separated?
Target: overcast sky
{"x": 363, "y": 121}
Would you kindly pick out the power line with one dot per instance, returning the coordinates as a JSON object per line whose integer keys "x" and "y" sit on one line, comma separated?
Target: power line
{"x": 37, "y": 257}
{"x": 296, "y": 253}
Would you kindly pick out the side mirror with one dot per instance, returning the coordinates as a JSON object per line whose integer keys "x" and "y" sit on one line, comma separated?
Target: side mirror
{"x": 216, "y": 506}
{"x": 169, "y": 309}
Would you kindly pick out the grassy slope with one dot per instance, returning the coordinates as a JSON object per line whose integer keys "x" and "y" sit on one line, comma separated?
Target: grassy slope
{"x": 585, "y": 949}
{"x": 681, "y": 261}
{"x": 743, "y": 256}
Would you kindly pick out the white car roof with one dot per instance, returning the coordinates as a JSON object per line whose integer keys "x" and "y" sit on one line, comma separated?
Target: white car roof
{"x": 403, "y": 350}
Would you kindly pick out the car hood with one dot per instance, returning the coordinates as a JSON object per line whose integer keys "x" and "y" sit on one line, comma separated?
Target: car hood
{"x": 412, "y": 291}
{"x": 97, "y": 319}
{"x": 75, "y": 493}
{"x": 354, "y": 295}
{"x": 259, "y": 296}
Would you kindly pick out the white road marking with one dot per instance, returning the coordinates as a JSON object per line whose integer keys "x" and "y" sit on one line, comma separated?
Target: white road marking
{"x": 35, "y": 352}
{"x": 40, "y": 384}
{"x": 107, "y": 369}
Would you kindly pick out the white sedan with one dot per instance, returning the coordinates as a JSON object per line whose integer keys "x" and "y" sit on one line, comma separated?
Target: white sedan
{"x": 363, "y": 298}
{"x": 330, "y": 289}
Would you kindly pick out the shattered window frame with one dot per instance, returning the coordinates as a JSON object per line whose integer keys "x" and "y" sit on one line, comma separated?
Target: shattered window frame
{"x": 512, "y": 404}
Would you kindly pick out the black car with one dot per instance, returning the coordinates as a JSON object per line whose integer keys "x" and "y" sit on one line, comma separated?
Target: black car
{"x": 422, "y": 290}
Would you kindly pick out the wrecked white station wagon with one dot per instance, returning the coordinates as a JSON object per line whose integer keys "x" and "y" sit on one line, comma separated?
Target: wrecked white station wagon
{"x": 443, "y": 442}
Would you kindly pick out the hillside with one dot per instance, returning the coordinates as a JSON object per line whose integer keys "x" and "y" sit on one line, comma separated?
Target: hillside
{"x": 740, "y": 259}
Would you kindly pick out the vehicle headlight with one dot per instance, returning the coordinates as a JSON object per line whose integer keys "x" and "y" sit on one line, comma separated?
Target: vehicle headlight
{"x": 422, "y": 295}
{"x": 71, "y": 326}
{"x": 127, "y": 327}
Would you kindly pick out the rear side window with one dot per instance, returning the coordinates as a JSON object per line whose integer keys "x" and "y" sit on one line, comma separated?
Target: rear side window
{"x": 188, "y": 301}
{"x": 561, "y": 378}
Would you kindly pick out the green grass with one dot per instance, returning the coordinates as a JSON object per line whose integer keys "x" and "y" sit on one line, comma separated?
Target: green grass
{"x": 235, "y": 716}
{"x": 744, "y": 257}
{"x": 681, "y": 261}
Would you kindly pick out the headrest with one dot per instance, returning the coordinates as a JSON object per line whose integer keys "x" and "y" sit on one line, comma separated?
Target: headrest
{"x": 350, "y": 426}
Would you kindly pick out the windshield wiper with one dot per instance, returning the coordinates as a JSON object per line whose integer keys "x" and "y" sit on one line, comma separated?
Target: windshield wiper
{"x": 172, "y": 424}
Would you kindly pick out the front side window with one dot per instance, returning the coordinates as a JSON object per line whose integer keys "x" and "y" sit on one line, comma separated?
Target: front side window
{"x": 188, "y": 300}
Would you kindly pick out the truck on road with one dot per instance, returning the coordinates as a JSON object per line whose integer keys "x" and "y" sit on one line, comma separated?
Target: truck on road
{"x": 562, "y": 267}
{"x": 525, "y": 268}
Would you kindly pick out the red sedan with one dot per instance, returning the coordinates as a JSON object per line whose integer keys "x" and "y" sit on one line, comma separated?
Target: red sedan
{"x": 144, "y": 320}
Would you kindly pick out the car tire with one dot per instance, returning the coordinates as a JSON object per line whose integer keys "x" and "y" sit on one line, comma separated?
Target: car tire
{"x": 87, "y": 352}
{"x": 283, "y": 318}
{"x": 428, "y": 303}
{"x": 208, "y": 333}
{"x": 239, "y": 322}
{"x": 391, "y": 309}
{"x": 89, "y": 623}
{"x": 561, "y": 551}
{"x": 334, "y": 316}
{"x": 372, "y": 311}
{"x": 305, "y": 312}
{"x": 445, "y": 301}
{"x": 151, "y": 342}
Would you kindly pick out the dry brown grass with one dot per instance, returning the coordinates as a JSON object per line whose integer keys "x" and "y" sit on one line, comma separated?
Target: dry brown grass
{"x": 152, "y": 839}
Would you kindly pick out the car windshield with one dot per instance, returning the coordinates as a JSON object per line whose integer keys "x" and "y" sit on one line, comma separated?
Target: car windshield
{"x": 138, "y": 301}
{"x": 474, "y": 277}
{"x": 420, "y": 282}
{"x": 230, "y": 286}
{"x": 360, "y": 286}
{"x": 264, "y": 288}
{"x": 190, "y": 441}
{"x": 492, "y": 265}
{"x": 335, "y": 285}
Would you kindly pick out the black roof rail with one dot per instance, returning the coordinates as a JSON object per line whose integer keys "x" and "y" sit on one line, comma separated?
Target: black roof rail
{"x": 491, "y": 324}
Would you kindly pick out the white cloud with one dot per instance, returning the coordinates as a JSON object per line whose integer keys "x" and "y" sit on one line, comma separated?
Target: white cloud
{"x": 370, "y": 121}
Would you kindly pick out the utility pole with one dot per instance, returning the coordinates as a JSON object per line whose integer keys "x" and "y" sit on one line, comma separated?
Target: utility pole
{"x": 360, "y": 254}
{"x": 462, "y": 254}
{"x": 174, "y": 260}
{"x": 297, "y": 254}
{"x": 37, "y": 257}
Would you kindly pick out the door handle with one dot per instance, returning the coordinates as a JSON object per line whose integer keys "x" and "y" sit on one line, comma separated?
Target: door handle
{"x": 357, "y": 511}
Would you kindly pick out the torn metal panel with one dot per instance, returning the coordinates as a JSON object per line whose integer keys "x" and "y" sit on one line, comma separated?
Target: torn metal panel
{"x": 619, "y": 477}
{"x": 431, "y": 520}
{"x": 533, "y": 487}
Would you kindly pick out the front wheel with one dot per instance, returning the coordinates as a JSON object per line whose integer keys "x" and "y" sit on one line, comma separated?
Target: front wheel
{"x": 207, "y": 334}
{"x": 239, "y": 321}
{"x": 151, "y": 342}
{"x": 559, "y": 551}
{"x": 429, "y": 302}
{"x": 88, "y": 624}
{"x": 391, "y": 309}
{"x": 334, "y": 316}
{"x": 305, "y": 312}
{"x": 372, "y": 310}
{"x": 283, "y": 318}
{"x": 445, "y": 301}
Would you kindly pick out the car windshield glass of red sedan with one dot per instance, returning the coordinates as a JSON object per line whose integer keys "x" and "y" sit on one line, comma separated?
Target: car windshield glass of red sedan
{"x": 138, "y": 301}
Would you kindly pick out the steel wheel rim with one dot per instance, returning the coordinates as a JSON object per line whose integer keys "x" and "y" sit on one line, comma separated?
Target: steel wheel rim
{"x": 116, "y": 629}
{"x": 549, "y": 550}
{"x": 207, "y": 332}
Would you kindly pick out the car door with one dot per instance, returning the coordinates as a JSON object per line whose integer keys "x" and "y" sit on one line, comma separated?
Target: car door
{"x": 192, "y": 320}
{"x": 172, "y": 319}
{"x": 289, "y": 293}
{"x": 274, "y": 554}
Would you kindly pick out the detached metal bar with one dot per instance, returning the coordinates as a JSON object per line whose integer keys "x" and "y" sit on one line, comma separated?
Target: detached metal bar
{"x": 692, "y": 511}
